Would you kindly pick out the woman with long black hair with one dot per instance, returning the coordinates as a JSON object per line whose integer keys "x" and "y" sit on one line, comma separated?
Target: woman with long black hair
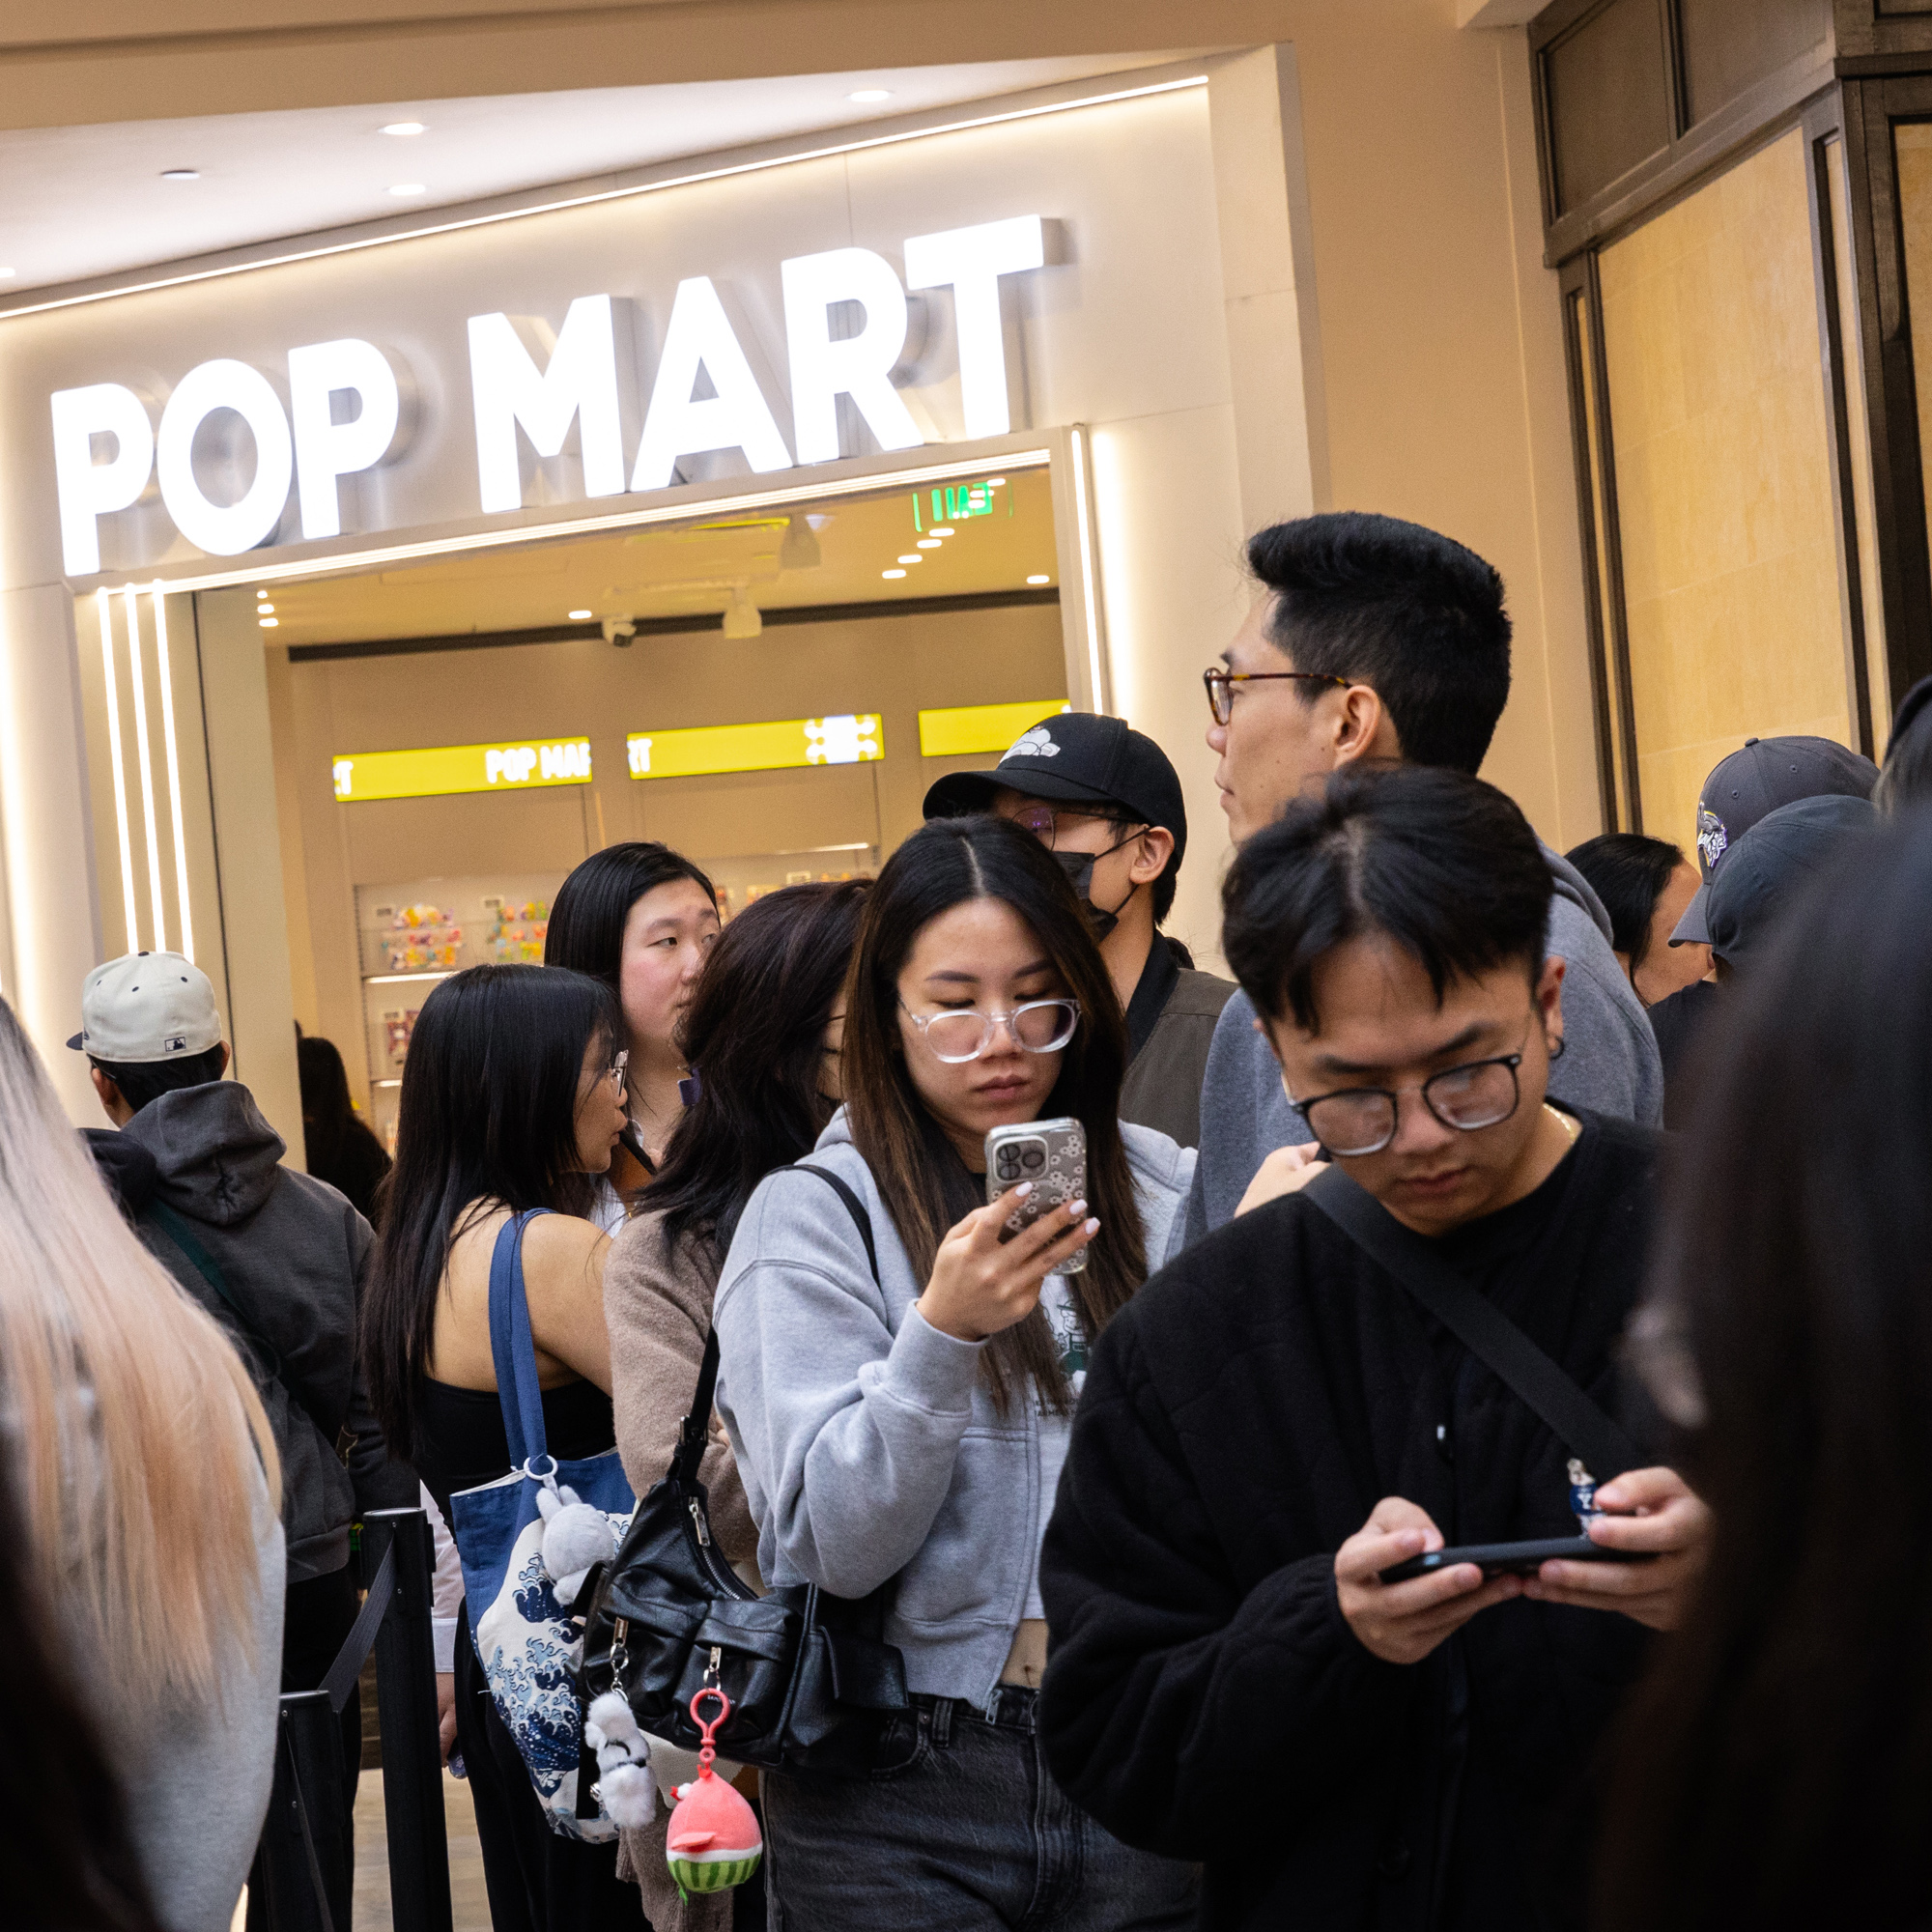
{"x": 512, "y": 1100}
{"x": 1775, "y": 1767}
{"x": 910, "y": 1426}
{"x": 762, "y": 1036}
{"x": 642, "y": 919}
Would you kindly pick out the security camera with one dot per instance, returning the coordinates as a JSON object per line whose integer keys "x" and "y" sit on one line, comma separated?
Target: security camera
{"x": 620, "y": 631}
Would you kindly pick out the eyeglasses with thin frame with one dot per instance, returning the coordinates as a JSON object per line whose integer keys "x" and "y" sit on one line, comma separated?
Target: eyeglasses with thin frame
{"x": 963, "y": 1034}
{"x": 1221, "y": 683}
{"x": 1043, "y": 822}
{"x": 1363, "y": 1120}
{"x": 619, "y": 1068}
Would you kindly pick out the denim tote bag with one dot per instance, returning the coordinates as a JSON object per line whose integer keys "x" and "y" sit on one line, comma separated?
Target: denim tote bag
{"x": 528, "y": 1642}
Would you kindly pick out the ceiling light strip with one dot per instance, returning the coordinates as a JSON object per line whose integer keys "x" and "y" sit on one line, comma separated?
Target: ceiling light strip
{"x": 150, "y": 818}
{"x": 165, "y": 672}
{"x": 582, "y": 527}
{"x": 693, "y": 180}
{"x": 1089, "y": 566}
{"x": 104, "y": 612}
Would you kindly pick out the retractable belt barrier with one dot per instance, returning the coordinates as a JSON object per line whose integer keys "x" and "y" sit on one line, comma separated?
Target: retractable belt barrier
{"x": 303, "y": 1862}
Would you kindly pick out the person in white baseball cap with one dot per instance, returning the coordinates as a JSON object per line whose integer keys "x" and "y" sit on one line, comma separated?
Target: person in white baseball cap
{"x": 149, "y": 1026}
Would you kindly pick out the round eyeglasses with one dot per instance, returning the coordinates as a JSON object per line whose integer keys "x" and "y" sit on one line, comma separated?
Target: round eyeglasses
{"x": 1043, "y": 822}
{"x": 1362, "y": 1120}
{"x": 1037, "y": 1026}
{"x": 1221, "y": 685}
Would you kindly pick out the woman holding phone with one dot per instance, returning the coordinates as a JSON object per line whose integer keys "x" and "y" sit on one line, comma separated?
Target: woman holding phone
{"x": 908, "y": 1427}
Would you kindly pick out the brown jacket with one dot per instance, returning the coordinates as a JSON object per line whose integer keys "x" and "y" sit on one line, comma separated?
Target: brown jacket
{"x": 1163, "y": 1089}
{"x": 656, "y": 1303}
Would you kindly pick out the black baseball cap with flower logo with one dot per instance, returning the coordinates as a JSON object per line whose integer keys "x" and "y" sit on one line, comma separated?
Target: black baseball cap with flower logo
{"x": 1080, "y": 757}
{"x": 1755, "y": 780}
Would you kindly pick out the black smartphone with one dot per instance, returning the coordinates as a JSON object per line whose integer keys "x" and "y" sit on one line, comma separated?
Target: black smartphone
{"x": 1513, "y": 1559}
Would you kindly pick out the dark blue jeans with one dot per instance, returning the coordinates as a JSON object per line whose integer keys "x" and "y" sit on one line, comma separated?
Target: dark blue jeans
{"x": 960, "y": 1830}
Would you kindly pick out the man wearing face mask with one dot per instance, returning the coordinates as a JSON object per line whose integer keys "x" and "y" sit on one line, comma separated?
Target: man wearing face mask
{"x": 1106, "y": 801}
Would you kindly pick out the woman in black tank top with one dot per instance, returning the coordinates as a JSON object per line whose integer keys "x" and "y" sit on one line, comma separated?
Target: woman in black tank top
{"x": 513, "y": 1098}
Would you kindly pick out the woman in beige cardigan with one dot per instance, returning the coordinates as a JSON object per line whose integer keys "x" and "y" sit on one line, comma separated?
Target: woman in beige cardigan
{"x": 762, "y": 1038}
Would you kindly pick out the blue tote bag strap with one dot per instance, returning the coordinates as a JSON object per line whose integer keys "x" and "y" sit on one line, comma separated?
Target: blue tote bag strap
{"x": 512, "y": 1347}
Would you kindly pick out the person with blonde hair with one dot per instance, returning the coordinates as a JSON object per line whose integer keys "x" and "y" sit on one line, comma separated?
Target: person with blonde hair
{"x": 150, "y": 1494}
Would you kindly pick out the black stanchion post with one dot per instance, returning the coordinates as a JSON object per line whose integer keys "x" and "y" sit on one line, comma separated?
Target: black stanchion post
{"x": 305, "y": 1834}
{"x": 405, "y": 1701}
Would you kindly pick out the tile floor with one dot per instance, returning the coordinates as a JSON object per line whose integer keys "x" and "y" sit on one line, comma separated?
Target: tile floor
{"x": 470, "y": 1907}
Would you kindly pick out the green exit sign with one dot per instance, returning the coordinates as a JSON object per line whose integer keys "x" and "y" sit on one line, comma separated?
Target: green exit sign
{"x": 954, "y": 505}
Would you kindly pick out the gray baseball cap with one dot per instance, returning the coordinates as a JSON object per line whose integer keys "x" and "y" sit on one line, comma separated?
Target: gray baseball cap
{"x": 1762, "y": 776}
{"x": 1772, "y": 863}
{"x": 147, "y": 1006}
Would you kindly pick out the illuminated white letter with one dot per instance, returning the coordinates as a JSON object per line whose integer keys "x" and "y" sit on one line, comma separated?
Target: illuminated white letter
{"x": 89, "y": 488}
{"x": 699, "y": 335}
{"x": 224, "y": 530}
{"x": 859, "y": 366}
{"x": 973, "y": 260}
{"x": 579, "y": 380}
{"x": 324, "y": 449}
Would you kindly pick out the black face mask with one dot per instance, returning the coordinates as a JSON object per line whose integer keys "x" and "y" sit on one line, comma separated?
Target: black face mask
{"x": 1079, "y": 869}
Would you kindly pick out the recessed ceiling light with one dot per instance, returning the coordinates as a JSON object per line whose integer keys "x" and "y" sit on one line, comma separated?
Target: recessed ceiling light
{"x": 408, "y": 188}
{"x": 265, "y": 609}
{"x": 402, "y": 130}
{"x": 994, "y": 482}
{"x": 911, "y": 556}
{"x": 928, "y": 543}
{"x": 579, "y": 616}
{"x": 938, "y": 530}
{"x": 1040, "y": 579}
{"x": 891, "y": 573}
{"x": 271, "y": 623}
{"x": 8, "y": 274}
{"x": 181, "y": 174}
{"x": 866, "y": 95}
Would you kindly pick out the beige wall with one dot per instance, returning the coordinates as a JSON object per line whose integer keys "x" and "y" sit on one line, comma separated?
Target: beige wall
{"x": 1722, "y": 452}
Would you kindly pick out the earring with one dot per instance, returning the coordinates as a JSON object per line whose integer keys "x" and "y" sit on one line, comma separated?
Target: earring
{"x": 1556, "y": 1051}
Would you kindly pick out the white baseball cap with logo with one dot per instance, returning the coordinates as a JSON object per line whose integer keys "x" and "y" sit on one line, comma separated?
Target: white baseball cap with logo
{"x": 147, "y": 1006}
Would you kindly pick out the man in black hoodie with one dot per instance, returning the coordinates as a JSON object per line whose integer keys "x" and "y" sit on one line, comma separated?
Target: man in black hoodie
{"x": 1273, "y": 1421}
{"x": 276, "y": 1257}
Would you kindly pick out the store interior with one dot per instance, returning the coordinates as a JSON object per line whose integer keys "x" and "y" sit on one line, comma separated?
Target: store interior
{"x": 769, "y": 691}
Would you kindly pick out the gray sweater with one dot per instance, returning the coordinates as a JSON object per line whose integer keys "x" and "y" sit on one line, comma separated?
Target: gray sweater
{"x": 1609, "y": 1061}
{"x": 868, "y": 1443}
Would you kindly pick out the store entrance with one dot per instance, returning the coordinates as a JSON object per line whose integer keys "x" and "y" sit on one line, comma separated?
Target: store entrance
{"x": 770, "y": 692}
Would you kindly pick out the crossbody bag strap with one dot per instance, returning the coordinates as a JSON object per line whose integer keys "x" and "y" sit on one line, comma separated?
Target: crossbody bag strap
{"x": 693, "y": 1430}
{"x": 209, "y": 1268}
{"x": 1576, "y": 1419}
{"x": 513, "y": 1349}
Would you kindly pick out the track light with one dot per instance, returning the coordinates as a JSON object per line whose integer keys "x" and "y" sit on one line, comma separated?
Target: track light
{"x": 800, "y": 549}
{"x": 741, "y": 617}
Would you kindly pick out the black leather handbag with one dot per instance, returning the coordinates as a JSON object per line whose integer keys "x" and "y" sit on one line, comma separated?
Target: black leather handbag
{"x": 810, "y": 1677}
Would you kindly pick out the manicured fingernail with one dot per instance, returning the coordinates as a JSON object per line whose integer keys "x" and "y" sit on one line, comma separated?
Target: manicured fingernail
{"x": 1093, "y": 1227}
{"x": 1024, "y": 1189}
{"x": 1075, "y": 1208}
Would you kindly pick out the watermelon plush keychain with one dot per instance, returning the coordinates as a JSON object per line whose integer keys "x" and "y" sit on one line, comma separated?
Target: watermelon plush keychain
{"x": 713, "y": 1840}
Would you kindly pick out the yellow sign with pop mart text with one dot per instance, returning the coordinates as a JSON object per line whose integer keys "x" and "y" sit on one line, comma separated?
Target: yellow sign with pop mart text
{"x": 442, "y": 769}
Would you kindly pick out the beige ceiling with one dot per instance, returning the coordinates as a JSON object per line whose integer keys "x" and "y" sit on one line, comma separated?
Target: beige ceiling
{"x": 682, "y": 569}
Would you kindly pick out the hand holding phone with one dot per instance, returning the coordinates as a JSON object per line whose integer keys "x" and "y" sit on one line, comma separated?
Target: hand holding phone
{"x": 1049, "y": 1157}
{"x": 1402, "y": 1623}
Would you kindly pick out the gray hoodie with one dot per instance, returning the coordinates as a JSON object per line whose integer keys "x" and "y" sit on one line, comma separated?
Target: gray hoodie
{"x": 293, "y": 1254}
{"x": 868, "y": 1443}
{"x": 1609, "y": 1061}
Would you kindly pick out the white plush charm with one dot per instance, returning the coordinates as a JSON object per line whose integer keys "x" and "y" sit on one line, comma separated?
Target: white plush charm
{"x": 576, "y": 1537}
{"x": 626, "y": 1786}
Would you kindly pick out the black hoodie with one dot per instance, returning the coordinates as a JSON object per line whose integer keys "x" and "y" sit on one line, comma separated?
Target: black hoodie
{"x": 292, "y": 1254}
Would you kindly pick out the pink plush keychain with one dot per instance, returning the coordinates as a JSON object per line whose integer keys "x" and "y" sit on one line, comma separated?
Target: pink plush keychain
{"x": 713, "y": 1840}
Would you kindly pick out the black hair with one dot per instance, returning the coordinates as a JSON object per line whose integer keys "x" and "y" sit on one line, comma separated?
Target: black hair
{"x": 1628, "y": 873}
{"x": 338, "y": 1146}
{"x": 1774, "y": 1768}
{"x": 1442, "y": 863}
{"x": 1907, "y": 777}
{"x": 754, "y": 1036}
{"x": 488, "y": 1118}
{"x": 587, "y": 918}
{"x": 143, "y": 1082}
{"x": 1412, "y": 615}
{"x": 925, "y": 1185}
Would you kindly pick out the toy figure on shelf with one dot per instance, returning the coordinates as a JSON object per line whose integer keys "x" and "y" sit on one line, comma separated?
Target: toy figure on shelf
{"x": 396, "y": 1031}
{"x": 519, "y": 932}
{"x": 422, "y": 939}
